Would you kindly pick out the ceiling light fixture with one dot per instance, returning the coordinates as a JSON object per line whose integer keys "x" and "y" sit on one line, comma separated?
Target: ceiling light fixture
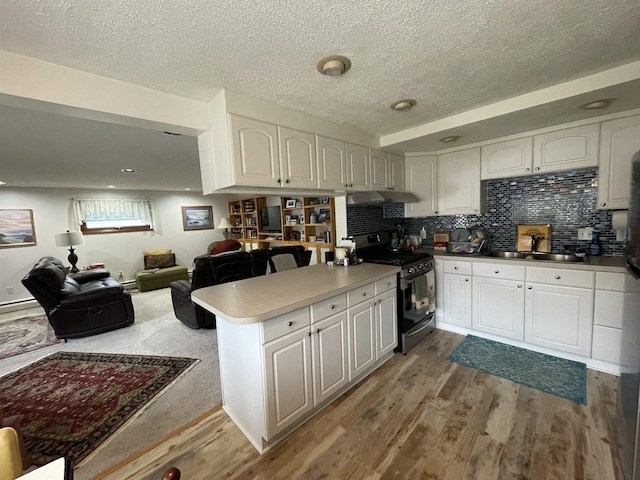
{"x": 2, "y": 183}
{"x": 449, "y": 139}
{"x": 187, "y": 189}
{"x": 128, "y": 170}
{"x": 403, "y": 105}
{"x": 334, "y": 66}
{"x": 597, "y": 104}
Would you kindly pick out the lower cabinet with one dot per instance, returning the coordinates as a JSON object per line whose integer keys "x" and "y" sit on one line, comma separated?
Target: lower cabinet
{"x": 386, "y": 324}
{"x": 498, "y": 307}
{"x": 457, "y": 299}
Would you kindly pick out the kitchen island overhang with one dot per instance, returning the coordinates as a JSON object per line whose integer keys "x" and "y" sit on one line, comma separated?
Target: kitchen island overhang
{"x": 290, "y": 343}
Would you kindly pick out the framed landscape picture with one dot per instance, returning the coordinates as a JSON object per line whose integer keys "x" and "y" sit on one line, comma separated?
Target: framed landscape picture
{"x": 16, "y": 228}
{"x": 197, "y": 218}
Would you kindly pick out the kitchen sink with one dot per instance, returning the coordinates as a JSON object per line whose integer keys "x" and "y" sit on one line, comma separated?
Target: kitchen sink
{"x": 554, "y": 257}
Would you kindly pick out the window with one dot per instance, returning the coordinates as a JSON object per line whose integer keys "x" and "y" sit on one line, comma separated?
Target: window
{"x": 101, "y": 215}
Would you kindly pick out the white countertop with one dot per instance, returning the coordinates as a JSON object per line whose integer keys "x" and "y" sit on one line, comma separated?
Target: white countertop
{"x": 260, "y": 298}
{"x": 591, "y": 263}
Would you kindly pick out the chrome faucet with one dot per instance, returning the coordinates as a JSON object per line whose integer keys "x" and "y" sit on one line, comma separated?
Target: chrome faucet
{"x": 535, "y": 241}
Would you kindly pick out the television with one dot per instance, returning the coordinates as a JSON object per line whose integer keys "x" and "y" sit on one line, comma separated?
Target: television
{"x": 271, "y": 219}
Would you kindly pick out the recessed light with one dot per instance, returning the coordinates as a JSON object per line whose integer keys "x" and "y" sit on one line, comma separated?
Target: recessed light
{"x": 111, "y": 186}
{"x": 449, "y": 139}
{"x": 2, "y": 183}
{"x": 403, "y": 105}
{"x": 334, "y": 66}
{"x": 597, "y": 104}
{"x": 128, "y": 170}
{"x": 187, "y": 189}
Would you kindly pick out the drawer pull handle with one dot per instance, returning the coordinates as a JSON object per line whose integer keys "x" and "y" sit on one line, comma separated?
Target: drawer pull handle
{"x": 364, "y": 294}
{"x": 455, "y": 268}
{"x": 317, "y": 330}
{"x": 530, "y": 288}
{"x": 466, "y": 279}
{"x": 497, "y": 271}
{"x": 557, "y": 277}
{"x": 289, "y": 324}
{"x": 332, "y": 307}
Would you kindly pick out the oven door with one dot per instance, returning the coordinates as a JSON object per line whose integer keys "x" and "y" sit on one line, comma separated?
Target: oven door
{"x": 418, "y": 298}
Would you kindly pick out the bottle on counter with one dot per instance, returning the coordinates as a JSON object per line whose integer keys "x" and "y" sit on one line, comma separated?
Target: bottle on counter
{"x": 595, "y": 247}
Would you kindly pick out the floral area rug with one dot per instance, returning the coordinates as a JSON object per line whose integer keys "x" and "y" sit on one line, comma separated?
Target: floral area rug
{"x": 557, "y": 376}
{"x": 25, "y": 334}
{"x": 72, "y": 402}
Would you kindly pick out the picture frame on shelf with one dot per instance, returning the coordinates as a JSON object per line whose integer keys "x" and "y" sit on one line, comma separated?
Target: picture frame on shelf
{"x": 197, "y": 218}
{"x": 290, "y": 203}
{"x": 17, "y": 228}
{"x": 293, "y": 220}
{"x": 324, "y": 200}
{"x": 287, "y": 219}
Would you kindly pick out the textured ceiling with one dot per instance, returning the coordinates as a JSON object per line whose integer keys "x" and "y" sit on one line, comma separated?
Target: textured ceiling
{"x": 449, "y": 55}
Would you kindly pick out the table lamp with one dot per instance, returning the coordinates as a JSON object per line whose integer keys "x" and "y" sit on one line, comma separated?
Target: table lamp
{"x": 224, "y": 223}
{"x": 69, "y": 239}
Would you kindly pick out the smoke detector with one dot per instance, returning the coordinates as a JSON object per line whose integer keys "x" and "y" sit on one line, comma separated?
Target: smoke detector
{"x": 334, "y": 66}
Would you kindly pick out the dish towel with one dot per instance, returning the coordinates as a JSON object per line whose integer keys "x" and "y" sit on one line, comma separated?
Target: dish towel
{"x": 424, "y": 292}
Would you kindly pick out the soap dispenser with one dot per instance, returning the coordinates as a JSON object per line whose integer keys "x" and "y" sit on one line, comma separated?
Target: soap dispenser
{"x": 595, "y": 248}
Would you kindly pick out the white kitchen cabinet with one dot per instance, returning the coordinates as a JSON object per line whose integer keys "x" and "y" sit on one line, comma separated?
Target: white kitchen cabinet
{"x": 330, "y": 356}
{"x": 357, "y": 168}
{"x": 498, "y": 300}
{"x": 332, "y": 163}
{"x": 255, "y": 152}
{"x": 395, "y": 180}
{"x": 386, "y": 323}
{"x": 507, "y": 159}
{"x": 362, "y": 338}
{"x": 379, "y": 169}
{"x": 557, "y": 315}
{"x": 619, "y": 141}
{"x": 288, "y": 380}
{"x": 459, "y": 182}
{"x": 421, "y": 179}
{"x": 298, "y": 165}
{"x": 566, "y": 149}
{"x": 457, "y": 291}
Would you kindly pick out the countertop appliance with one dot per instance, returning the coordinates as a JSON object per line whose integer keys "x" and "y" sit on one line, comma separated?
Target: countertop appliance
{"x": 416, "y": 285}
{"x": 627, "y": 412}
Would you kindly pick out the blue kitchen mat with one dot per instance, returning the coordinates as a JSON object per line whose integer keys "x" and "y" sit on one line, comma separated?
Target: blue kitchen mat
{"x": 557, "y": 376}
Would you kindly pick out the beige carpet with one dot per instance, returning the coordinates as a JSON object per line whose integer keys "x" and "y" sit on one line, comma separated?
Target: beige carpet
{"x": 156, "y": 331}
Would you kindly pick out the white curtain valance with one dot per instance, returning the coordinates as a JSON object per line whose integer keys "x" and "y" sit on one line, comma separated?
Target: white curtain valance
{"x": 112, "y": 209}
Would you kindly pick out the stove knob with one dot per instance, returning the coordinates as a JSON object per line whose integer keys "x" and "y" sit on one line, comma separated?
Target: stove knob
{"x": 420, "y": 267}
{"x": 411, "y": 270}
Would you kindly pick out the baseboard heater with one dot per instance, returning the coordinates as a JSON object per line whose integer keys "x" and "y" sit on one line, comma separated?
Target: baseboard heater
{"x": 18, "y": 305}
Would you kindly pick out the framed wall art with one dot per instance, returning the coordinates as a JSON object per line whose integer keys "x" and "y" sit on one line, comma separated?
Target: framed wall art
{"x": 16, "y": 228}
{"x": 197, "y": 218}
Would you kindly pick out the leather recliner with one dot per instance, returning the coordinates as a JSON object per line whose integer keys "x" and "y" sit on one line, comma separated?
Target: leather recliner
{"x": 79, "y": 304}
{"x": 214, "y": 270}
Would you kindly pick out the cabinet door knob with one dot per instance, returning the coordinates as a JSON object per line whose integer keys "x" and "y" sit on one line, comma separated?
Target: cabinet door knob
{"x": 475, "y": 210}
{"x": 527, "y": 169}
{"x": 519, "y": 286}
{"x": 557, "y": 277}
{"x": 308, "y": 334}
{"x": 346, "y": 184}
{"x": 332, "y": 307}
{"x": 530, "y": 288}
{"x": 466, "y": 279}
{"x": 289, "y": 324}
{"x": 317, "y": 330}
{"x": 388, "y": 284}
{"x": 603, "y": 204}
{"x": 364, "y": 294}
{"x": 497, "y": 271}
{"x": 455, "y": 268}
{"x": 286, "y": 181}
{"x": 537, "y": 168}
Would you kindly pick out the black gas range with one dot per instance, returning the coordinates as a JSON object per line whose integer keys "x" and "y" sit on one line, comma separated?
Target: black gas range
{"x": 416, "y": 285}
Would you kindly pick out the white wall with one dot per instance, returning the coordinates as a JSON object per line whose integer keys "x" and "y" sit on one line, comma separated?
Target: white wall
{"x": 119, "y": 251}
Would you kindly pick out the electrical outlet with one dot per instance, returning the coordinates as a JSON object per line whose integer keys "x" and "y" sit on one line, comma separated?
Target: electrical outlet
{"x": 10, "y": 291}
{"x": 585, "y": 233}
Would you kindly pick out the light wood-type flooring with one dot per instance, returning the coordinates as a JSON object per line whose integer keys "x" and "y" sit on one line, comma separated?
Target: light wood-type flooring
{"x": 417, "y": 417}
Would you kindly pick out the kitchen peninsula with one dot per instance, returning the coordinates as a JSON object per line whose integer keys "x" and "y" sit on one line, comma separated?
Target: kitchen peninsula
{"x": 291, "y": 342}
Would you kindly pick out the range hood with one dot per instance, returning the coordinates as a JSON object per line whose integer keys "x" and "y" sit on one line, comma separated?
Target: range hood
{"x": 382, "y": 196}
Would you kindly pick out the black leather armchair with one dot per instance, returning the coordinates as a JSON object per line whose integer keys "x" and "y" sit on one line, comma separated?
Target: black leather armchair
{"x": 80, "y": 304}
{"x": 301, "y": 256}
{"x": 209, "y": 271}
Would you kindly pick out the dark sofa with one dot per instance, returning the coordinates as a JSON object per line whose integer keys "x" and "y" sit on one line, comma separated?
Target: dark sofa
{"x": 213, "y": 270}
{"x": 79, "y": 304}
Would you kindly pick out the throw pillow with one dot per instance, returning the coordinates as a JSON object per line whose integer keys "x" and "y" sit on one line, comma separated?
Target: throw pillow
{"x": 224, "y": 246}
{"x": 159, "y": 261}
{"x": 157, "y": 251}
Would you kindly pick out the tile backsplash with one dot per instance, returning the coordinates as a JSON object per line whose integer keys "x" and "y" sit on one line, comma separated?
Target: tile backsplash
{"x": 566, "y": 200}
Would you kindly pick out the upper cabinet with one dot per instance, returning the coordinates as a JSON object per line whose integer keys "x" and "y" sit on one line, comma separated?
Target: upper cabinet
{"x": 620, "y": 140}
{"x": 459, "y": 182}
{"x": 566, "y": 149}
{"x": 255, "y": 152}
{"x": 396, "y": 173}
{"x": 332, "y": 163}
{"x": 357, "y": 168}
{"x": 421, "y": 179}
{"x": 507, "y": 159}
{"x": 298, "y": 165}
{"x": 387, "y": 171}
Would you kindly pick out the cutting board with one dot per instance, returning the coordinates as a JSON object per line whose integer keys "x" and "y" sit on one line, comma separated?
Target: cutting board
{"x": 523, "y": 241}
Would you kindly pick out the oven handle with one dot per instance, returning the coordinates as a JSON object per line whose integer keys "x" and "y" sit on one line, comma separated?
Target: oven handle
{"x": 426, "y": 325}
{"x": 404, "y": 284}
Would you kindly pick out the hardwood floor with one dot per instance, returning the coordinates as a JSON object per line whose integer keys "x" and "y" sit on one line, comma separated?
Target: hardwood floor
{"x": 417, "y": 417}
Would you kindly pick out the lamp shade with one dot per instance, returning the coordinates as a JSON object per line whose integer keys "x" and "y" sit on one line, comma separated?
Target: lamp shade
{"x": 69, "y": 239}
{"x": 224, "y": 223}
